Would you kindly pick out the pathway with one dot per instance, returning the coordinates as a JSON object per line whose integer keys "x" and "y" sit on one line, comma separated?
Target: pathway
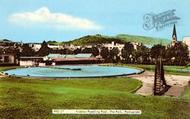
{"x": 177, "y": 83}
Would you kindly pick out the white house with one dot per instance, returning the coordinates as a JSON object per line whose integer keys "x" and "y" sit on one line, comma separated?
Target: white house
{"x": 7, "y": 59}
{"x": 32, "y": 61}
{"x": 35, "y": 46}
{"x": 186, "y": 40}
{"x": 55, "y": 46}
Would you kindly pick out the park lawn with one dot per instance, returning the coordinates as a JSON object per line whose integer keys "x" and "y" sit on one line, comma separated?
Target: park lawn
{"x": 186, "y": 94}
{"x": 22, "y": 98}
{"x": 25, "y": 98}
{"x": 175, "y": 70}
{"x": 8, "y": 67}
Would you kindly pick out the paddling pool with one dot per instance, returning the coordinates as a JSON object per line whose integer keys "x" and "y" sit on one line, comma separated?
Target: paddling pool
{"x": 73, "y": 71}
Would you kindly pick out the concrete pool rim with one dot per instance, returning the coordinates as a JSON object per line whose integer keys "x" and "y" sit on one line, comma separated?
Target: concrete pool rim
{"x": 140, "y": 71}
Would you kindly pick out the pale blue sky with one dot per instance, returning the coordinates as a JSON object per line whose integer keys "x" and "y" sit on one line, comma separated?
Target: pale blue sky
{"x": 107, "y": 17}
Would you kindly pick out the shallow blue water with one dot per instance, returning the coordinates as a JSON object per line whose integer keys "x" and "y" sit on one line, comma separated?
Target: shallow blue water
{"x": 73, "y": 71}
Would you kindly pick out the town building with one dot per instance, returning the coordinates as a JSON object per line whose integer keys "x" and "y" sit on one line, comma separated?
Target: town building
{"x": 186, "y": 40}
{"x": 58, "y": 59}
{"x": 8, "y": 59}
{"x": 35, "y": 46}
{"x": 32, "y": 61}
{"x": 55, "y": 47}
{"x": 112, "y": 45}
{"x": 82, "y": 58}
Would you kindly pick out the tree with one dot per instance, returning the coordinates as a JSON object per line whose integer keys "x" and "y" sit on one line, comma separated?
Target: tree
{"x": 113, "y": 55}
{"x": 157, "y": 50}
{"x": 87, "y": 50}
{"x": 142, "y": 55}
{"x": 77, "y": 51}
{"x": 44, "y": 50}
{"x": 104, "y": 53}
{"x": 52, "y": 42}
{"x": 93, "y": 50}
{"x": 177, "y": 54}
{"x": 27, "y": 50}
{"x": 127, "y": 52}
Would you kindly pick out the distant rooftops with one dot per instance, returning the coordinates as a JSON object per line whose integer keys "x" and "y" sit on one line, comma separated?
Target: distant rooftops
{"x": 186, "y": 40}
{"x": 31, "y": 57}
{"x": 81, "y": 55}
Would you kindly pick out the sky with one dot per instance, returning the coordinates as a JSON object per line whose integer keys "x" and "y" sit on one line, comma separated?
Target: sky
{"x": 63, "y": 20}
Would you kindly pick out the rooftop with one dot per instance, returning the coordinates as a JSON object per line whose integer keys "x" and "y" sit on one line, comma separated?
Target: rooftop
{"x": 81, "y": 55}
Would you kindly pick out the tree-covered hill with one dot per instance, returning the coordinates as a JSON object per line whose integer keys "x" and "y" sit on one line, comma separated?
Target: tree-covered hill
{"x": 96, "y": 39}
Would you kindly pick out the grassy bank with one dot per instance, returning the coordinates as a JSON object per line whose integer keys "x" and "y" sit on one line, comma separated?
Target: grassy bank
{"x": 33, "y": 98}
{"x": 7, "y": 68}
{"x": 176, "y": 70}
{"x": 186, "y": 94}
{"x": 25, "y": 98}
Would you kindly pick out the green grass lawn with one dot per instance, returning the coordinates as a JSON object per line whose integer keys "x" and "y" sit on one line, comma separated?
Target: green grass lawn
{"x": 186, "y": 94}
{"x": 176, "y": 70}
{"x": 7, "y": 67}
{"x": 25, "y": 98}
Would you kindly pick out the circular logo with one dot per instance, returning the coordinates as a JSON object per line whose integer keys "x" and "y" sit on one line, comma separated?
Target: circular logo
{"x": 148, "y": 21}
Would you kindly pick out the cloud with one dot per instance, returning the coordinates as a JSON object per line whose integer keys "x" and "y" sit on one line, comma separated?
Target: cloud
{"x": 44, "y": 16}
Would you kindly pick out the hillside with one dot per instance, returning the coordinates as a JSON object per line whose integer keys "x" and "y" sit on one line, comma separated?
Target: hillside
{"x": 122, "y": 38}
{"x": 143, "y": 39}
{"x": 94, "y": 39}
